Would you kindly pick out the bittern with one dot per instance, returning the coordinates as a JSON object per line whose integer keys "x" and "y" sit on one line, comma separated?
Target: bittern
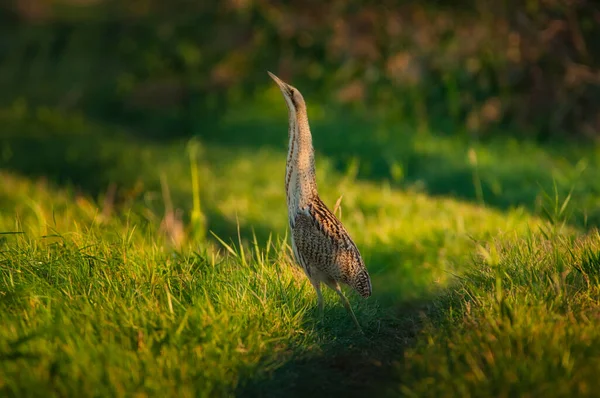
{"x": 321, "y": 244}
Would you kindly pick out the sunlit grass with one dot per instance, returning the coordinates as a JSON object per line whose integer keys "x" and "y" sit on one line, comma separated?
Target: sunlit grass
{"x": 524, "y": 322}
{"x": 97, "y": 297}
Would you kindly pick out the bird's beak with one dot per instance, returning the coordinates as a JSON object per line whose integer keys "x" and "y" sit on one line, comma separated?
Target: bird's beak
{"x": 280, "y": 83}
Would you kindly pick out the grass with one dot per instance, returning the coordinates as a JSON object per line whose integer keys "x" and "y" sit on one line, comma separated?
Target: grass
{"x": 528, "y": 315}
{"x": 111, "y": 284}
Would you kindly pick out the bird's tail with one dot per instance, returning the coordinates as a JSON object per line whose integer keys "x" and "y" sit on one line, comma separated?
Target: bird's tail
{"x": 362, "y": 283}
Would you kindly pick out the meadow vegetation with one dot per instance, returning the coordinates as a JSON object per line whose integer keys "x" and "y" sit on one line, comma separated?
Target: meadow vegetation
{"x": 144, "y": 250}
{"x": 129, "y": 293}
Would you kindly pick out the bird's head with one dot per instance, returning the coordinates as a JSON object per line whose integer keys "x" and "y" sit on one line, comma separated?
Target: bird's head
{"x": 292, "y": 96}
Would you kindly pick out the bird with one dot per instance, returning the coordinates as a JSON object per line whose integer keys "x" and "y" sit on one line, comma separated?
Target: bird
{"x": 320, "y": 243}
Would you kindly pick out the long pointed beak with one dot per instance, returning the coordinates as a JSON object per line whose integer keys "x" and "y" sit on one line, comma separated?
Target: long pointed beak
{"x": 279, "y": 82}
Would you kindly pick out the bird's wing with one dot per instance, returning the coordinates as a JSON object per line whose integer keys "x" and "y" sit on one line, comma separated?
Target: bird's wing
{"x": 322, "y": 242}
{"x": 314, "y": 249}
{"x": 347, "y": 263}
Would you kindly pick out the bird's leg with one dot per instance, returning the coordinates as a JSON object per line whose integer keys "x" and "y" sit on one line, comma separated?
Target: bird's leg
{"x": 338, "y": 290}
{"x": 349, "y": 309}
{"x": 317, "y": 286}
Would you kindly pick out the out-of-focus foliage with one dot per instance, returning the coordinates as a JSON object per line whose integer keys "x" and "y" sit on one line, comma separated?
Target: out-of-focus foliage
{"x": 142, "y": 267}
{"x": 475, "y": 66}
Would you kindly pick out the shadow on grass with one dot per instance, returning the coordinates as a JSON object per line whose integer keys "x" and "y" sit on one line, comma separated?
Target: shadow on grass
{"x": 498, "y": 172}
{"x": 345, "y": 363}
{"x": 347, "y": 366}
{"x": 507, "y": 174}
{"x": 342, "y": 362}
{"x": 81, "y": 161}
{"x": 218, "y": 224}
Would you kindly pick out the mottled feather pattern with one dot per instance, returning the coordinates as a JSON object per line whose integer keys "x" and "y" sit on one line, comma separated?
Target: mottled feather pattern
{"x": 322, "y": 243}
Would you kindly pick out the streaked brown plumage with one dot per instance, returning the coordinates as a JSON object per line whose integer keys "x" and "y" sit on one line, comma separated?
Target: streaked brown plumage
{"x": 321, "y": 244}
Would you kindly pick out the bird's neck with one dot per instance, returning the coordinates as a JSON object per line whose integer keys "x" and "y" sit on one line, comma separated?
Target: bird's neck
{"x": 300, "y": 181}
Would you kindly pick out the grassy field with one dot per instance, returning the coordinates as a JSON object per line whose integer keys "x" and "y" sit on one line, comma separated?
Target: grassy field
{"x": 131, "y": 266}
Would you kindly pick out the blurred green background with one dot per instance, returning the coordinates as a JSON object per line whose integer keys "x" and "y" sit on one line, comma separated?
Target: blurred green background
{"x": 473, "y": 67}
{"x": 402, "y": 91}
{"x": 131, "y": 130}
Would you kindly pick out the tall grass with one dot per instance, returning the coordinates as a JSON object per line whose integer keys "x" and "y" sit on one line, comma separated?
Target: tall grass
{"x": 470, "y": 300}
